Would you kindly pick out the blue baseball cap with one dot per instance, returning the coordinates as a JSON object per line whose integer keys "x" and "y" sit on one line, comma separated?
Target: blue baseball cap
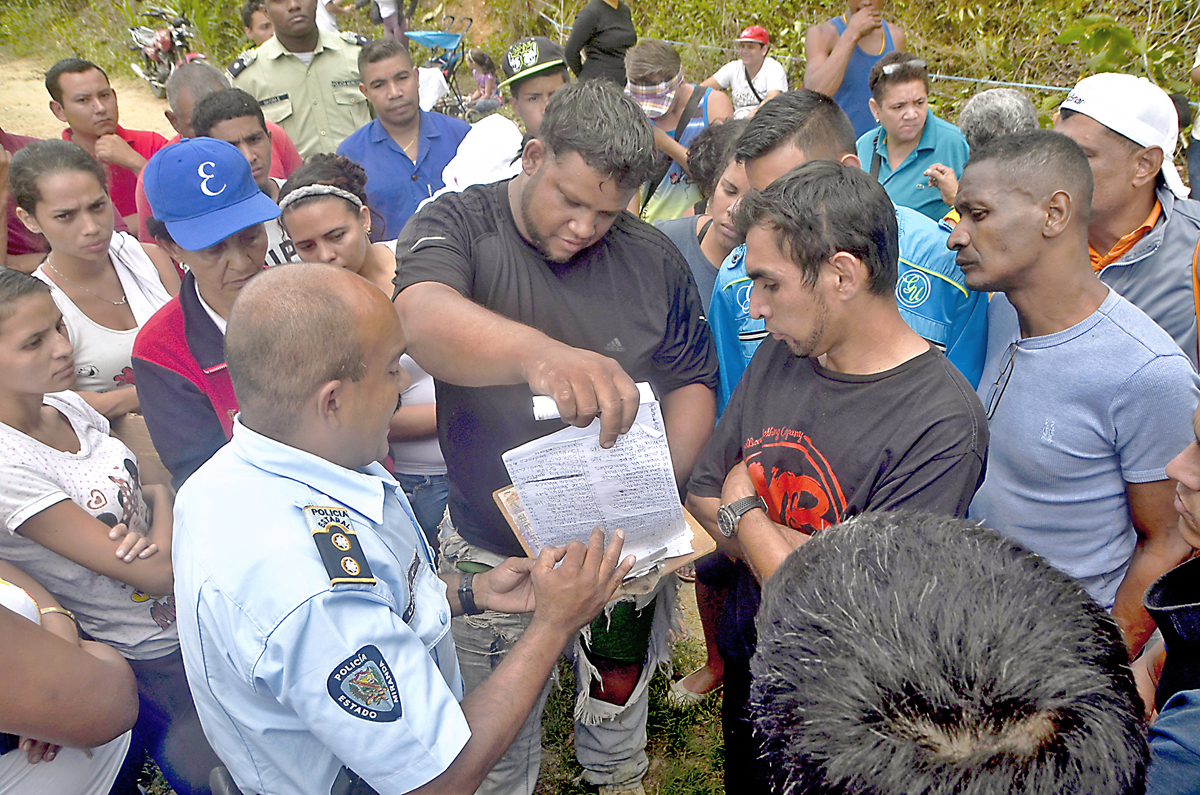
{"x": 203, "y": 191}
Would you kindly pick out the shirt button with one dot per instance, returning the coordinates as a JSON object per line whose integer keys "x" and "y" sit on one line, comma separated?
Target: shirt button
{"x": 444, "y": 616}
{"x": 314, "y": 102}
{"x": 322, "y": 132}
{"x": 414, "y": 177}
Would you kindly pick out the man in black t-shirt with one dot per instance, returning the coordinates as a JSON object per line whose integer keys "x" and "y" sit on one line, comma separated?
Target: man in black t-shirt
{"x": 845, "y": 410}
{"x": 544, "y": 285}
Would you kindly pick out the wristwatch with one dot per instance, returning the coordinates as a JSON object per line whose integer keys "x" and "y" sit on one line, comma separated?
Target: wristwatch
{"x": 729, "y": 515}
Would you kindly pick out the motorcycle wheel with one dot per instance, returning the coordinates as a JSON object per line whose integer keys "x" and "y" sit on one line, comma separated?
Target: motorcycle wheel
{"x": 158, "y": 83}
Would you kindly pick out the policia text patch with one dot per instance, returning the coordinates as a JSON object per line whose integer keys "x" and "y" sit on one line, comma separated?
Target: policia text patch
{"x": 338, "y": 545}
{"x": 363, "y": 685}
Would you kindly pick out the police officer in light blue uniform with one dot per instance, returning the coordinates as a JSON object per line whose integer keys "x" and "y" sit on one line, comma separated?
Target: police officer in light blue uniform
{"x": 315, "y": 630}
{"x": 326, "y": 663}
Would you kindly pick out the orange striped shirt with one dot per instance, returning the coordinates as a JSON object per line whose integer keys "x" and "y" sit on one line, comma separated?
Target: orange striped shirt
{"x": 1123, "y": 245}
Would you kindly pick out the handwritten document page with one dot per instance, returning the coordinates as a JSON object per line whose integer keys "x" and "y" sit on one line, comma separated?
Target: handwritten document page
{"x": 567, "y": 485}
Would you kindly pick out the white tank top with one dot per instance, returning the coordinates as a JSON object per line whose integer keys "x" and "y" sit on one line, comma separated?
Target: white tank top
{"x": 103, "y": 355}
{"x": 15, "y": 598}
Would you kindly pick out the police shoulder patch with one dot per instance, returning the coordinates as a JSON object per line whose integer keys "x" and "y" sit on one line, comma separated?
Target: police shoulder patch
{"x": 337, "y": 542}
{"x": 241, "y": 62}
{"x": 363, "y": 685}
{"x": 355, "y": 38}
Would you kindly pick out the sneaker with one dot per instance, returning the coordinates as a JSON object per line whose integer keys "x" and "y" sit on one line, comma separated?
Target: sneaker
{"x": 624, "y": 789}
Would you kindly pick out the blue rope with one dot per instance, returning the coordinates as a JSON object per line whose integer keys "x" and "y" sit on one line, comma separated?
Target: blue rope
{"x": 1036, "y": 86}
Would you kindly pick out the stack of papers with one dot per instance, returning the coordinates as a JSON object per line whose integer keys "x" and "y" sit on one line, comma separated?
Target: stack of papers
{"x": 567, "y": 484}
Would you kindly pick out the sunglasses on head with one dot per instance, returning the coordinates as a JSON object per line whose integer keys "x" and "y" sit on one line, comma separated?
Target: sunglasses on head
{"x": 892, "y": 68}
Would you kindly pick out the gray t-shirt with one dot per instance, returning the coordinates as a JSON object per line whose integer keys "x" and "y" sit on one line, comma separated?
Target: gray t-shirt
{"x": 682, "y": 232}
{"x": 1075, "y": 416}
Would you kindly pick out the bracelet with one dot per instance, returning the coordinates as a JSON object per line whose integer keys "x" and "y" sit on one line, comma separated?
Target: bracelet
{"x": 466, "y": 594}
{"x": 63, "y": 610}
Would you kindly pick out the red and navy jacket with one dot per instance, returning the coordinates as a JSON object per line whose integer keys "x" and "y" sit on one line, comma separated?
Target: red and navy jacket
{"x": 183, "y": 386}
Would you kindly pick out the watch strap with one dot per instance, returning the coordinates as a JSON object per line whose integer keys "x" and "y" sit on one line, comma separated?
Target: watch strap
{"x": 466, "y": 594}
{"x": 747, "y": 504}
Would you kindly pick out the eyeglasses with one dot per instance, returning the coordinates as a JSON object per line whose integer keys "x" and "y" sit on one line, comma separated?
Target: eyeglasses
{"x": 1002, "y": 380}
{"x": 892, "y": 68}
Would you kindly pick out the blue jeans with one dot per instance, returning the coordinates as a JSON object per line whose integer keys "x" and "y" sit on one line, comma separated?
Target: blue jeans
{"x": 168, "y": 725}
{"x": 427, "y": 495}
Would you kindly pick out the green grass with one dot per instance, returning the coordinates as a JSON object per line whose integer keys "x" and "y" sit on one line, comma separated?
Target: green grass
{"x": 687, "y": 756}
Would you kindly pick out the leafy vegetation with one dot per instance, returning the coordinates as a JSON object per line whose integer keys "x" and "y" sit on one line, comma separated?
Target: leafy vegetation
{"x": 1042, "y": 42}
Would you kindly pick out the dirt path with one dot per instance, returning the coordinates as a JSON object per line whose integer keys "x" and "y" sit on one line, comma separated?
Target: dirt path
{"x": 24, "y": 110}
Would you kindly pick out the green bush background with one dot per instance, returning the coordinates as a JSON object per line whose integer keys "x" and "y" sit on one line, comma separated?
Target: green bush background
{"x": 1048, "y": 42}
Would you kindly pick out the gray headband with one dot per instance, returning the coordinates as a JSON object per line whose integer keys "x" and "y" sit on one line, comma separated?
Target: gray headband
{"x": 318, "y": 189}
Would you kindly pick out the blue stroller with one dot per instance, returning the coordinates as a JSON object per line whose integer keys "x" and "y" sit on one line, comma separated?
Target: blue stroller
{"x": 448, "y": 52}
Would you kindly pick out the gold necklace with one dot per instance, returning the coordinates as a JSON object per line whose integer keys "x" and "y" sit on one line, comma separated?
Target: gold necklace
{"x": 124, "y": 298}
{"x": 410, "y": 143}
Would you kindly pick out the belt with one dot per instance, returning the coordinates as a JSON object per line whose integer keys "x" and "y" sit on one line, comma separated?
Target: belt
{"x": 350, "y": 783}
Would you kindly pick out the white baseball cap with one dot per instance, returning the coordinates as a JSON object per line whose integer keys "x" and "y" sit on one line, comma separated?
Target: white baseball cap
{"x": 1135, "y": 108}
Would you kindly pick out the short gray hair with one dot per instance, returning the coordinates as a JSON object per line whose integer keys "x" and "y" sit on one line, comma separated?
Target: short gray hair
{"x": 200, "y": 78}
{"x": 996, "y": 112}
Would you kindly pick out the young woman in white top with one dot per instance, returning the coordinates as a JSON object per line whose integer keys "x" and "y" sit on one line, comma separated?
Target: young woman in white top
{"x": 106, "y": 284}
{"x": 325, "y": 213}
{"x": 72, "y": 507}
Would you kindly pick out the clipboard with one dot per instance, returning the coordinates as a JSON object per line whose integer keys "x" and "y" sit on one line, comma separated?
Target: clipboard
{"x": 702, "y": 543}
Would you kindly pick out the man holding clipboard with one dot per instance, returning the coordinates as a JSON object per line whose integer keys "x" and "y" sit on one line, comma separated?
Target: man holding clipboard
{"x": 544, "y": 285}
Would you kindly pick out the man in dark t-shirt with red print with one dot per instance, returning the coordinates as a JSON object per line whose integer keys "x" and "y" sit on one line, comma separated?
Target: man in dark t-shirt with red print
{"x": 845, "y": 410}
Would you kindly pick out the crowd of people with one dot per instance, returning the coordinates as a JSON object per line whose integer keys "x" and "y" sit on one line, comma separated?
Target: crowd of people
{"x": 931, "y": 387}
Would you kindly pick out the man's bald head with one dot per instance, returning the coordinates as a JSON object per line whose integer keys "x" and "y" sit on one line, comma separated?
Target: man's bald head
{"x": 1040, "y": 163}
{"x": 293, "y": 329}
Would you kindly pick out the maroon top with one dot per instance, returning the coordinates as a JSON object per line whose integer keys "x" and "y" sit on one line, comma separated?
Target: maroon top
{"x": 20, "y": 239}
{"x": 121, "y": 181}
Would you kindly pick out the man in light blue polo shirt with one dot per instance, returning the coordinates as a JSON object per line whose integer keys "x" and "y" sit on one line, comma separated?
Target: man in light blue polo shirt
{"x": 405, "y": 149}
{"x": 910, "y": 137}
{"x": 315, "y": 629}
{"x": 803, "y": 125}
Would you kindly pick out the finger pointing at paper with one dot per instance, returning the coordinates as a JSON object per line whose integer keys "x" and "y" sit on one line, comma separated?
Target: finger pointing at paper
{"x": 585, "y": 385}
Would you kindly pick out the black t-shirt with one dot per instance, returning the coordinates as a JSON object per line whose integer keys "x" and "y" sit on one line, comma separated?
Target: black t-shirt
{"x": 629, "y": 296}
{"x": 823, "y": 446}
{"x": 604, "y": 33}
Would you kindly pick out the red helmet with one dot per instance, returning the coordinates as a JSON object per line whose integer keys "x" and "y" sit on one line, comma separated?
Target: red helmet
{"x": 755, "y": 33}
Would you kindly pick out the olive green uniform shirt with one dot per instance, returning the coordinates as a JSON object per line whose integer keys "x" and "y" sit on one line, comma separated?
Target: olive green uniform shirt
{"x": 318, "y": 105}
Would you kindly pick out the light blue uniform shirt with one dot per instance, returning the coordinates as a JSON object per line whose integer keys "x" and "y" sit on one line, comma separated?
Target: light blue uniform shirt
{"x": 1075, "y": 416}
{"x": 735, "y": 333}
{"x": 930, "y": 293}
{"x": 294, "y": 677}
{"x": 907, "y": 185}
{"x": 933, "y": 297}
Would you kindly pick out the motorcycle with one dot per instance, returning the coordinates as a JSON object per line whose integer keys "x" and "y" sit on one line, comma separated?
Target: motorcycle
{"x": 164, "y": 49}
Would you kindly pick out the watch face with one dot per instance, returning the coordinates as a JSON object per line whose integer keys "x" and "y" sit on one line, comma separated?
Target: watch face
{"x": 726, "y": 521}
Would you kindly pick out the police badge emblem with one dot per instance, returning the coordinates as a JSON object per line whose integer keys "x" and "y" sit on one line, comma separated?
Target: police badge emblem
{"x": 363, "y": 686}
